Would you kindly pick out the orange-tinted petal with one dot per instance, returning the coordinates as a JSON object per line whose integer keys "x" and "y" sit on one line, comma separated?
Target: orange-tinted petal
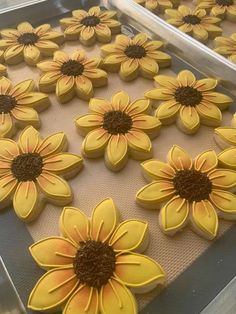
{"x": 62, "y": 163}
{"x": 52, "y": 144}
{"x": 206, "y": 161}
{"x": 29, "y": 140}
{"x": 8, "y": 149}
{"x": 156, "y": 170}
{"x": 95, "y": 143}
{"x": 179, "y": 158}
{"x": 116, "y": 152}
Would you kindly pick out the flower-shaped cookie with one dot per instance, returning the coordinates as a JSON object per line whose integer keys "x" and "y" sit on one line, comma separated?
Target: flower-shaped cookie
{"x": 191, "y": 101}
{"x": 226, "y": 46}
{"x": 92, "y": 265}
{"x": 91, "y": 26}
{"x": 71, "y": 75}
{"x": 221, "y": 8}
{"x": 194, "y": 192}
{"x": 29, "y": 172}
{"x": 157, "y": 5}
{"x": 133, "y": 57}
{"x": 194, "y": 22}
{"x": 18, "y": 104}
{"x": 119, "y": 128}
{"x": 29, "y": 44}
{"x": 3, "y": 69}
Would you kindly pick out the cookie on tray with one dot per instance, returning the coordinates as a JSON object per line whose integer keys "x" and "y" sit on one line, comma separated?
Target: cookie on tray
{"x": 157, "y": 6}
{"x": 93, "y": 265}
{"x": 221, "y": 8}
{"x": 226, "y": 46}
{"x": 3, "y": 69}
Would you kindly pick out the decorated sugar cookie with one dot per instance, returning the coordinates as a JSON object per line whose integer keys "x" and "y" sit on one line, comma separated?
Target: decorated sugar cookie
{"x": 157, "y": 5}
{"x": 226, "y": 46}
{"x": 194, "y": 22}
{"x": 189, "y": 101}
{"x": 220, "y": 8}
{"x": 118, "y": 128}
{"x": 188, "y": 191}
{"x": 71, "y": 75}
{"x": 18, "y": 105}
{"x": 30, "y": 169}
{"x": 133, "y": 57}
{"x": 29, "y": 44}
{"x": 93, "y": 264}
{"x": 96, "y": 24}
{"x": 3, "y": 69}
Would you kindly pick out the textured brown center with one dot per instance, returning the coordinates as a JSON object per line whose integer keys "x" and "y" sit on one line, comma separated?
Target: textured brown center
{"x": 192, "y": 185}
{"x": 225, "y": 2}
{"x": 28, "y": 39}
{"x": 72, "y": 68}
{"x": 7, "y": 103}
{"x": 191, "y": 19}
{"x": 27, "y": 167}
{"x": 116, "y": 122}
{"x": 94, "y": 263}
{"x": 188, "y": 96}
{"x": 90, "y": 20}
{"x": 135, "y": 51}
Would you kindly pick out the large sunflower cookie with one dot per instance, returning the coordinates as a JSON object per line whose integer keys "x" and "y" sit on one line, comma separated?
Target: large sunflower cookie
{"x": 29, "y": 44}
{"x": 226, "y": 46}
{"x": 96, "y": 24}
{"x": 3, "y": 69}
{"x": 118, "y": 128}
{"x": 71, "y": 75}
{"x": 189, "y": 191}
{"x": 18, "y": 104}
{"x": 192, "y": 102}
{"x": 30, "y": 169}
{"x": 93, "y": 264}
{"x": 220, "y": 8}
{"x": 134, "y": 56}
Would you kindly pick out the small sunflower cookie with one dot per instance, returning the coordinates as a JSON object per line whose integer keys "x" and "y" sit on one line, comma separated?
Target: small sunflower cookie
{"x": 226, "y": 47}
{"x": 118, "y": 128}
{"x": 133, "y": 57}
{"x": 18, "y": 105}
{"x": 221, "y": 8}
{"x": 29, "y": 44}
{"x": 191, "y": 101}
{"x": 194, "y": 22}
{"x": 189, "y": 191}
{"x": 157, "y": 5}
{"x": 93, "y": 265}
{"x": 71, "y": 75}
{"x": 30, "y": 169}
{"x": 91, "y": 26}
{"x": 3, "y": 69}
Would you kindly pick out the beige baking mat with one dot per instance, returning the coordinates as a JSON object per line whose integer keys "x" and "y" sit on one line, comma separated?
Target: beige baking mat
{"x": 95, "y": 182}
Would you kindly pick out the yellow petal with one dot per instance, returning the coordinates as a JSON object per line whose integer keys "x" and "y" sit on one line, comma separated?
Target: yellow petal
{"x": 116, "y": 298}
{"x": 89, "y": 122}
{"x": 110, "y": 48}
{"x": 204, "y": 219}
{"x": 139, "y": 39}
{"x": 153, "y": 194}
{"x": 206, "y": 161}
{"x": 48, "y": 65}
{"x": 184, "y": 10}
{"x": 173, "y": 216}
{"x": 156, "y": 170}
{"x": 8, "y": 149}
{"x": 26, "y": 115}
{"x": 29, "y": 140}
{"x": 218, "y": 98}
{"x": 189, "y": 119}
{"x": 159, "y": 94}
{"x": 87, "y": 35}
{"x": 5, "y": 167}
{"x": 120, "y": 100}
{"x": 26, "y": 201}
{"x": 83, "y": 301}
{"x": 167, "y": 111}
{"x": 224, "y": 201}
{"x": 149, "y": 67}
{"x": 136, "y": 270}
{"x": 114, "y": 25}
{"x": 5, "y": 43}
{"x": 213, "y": 30}
{"x": 14, "y": 54}
{"x": 79, "y": 14}
{"x": 209, "y": 114}
{"x": 25, "y": 27}
{"x": 107, "y": 14}
{"x": 200, "y": 33}
{"x": 54, "y": 36}
{"x": 97, "y": 76}
{"x": 122, "y": 40}
{"x": 223, "y": 178}
{"x": 151, "y": 5}
{"x": 53, "y": 252}
{"x": 64, "y": 86}
{"x": 129, "y": 69}
{"x": 232, "y": 58}
{"x": 186, "y": 78}
{"x": 10, "y": 33}
{"x": 117, "y": 152}
{"x": 179, "y": 158}
{"x": 176, "y": 22}
{"x": 5, "y": 124}
{"x": 95, "y": 143}
{"x": 74, "y": 224}
{"x": 60, "y": 56}
{"x": 31, "y": 54}
{"x": 173, "y": 13}
{"x": 62, "y": 163}
{"x": 40, "y": 30}
{"x": 153, "y": 45}
{"x": 52, "y": 144}
{"x": 5, "y": 85}
{"x": 8, "y": 184}
{"x": 22, "y": 88}
{"x": 147, "y": 123}
{"x": 53, "y": 289}
{"x": 99, "y": 105}
{"x": 103, "y": 32}
{"x": 94, "y": 11}
{"x": 36, "y": 100}
{"x": 227, "y": 135}
{"x": 138, "y": 106}
{"x": 167, "y": 81}
{"x": 103, "y": 221}
{"x": 72, "y": 31}
{"x": 84, "y": 87}
{"x": 218, "y": 10}
{"x": 48, "y": 80}
{"x": 46, "y": 47}
{"x": 227, "y": 158}
{"x": 138, "y": 141}
{"x": 186, "y": 28}
{"x": 205, "y": 84}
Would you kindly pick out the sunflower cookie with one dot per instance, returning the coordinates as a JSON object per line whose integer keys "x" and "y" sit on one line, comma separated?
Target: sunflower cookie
{"x": 189, "y": 100}
{"x": 18, "y": 104}
{"x": 29, "y": 172}
{"x": 3, "y": 69}
{"x": 157, "y": 5}
{"x": 29, "y": 44}
{"x": 133, "y": 57}
{"x": 92, "y": 266}
{"x": 194, "y": 22}
{"x": 71, "y": 75}
{"x": 91, "y": 26}
{"x": 220, "y": 8}
{"x": 226, "y": 47}
{"x": 193, "y": 192}
{"x": 118, "y": 128}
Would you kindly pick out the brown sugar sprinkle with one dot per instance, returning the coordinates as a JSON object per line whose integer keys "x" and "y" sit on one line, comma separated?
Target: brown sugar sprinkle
{"x": 135, "y": 51}
{"x": 90, "y": 20}
{"x": 117, "y": 122}
{"x": 188, "y": 96}
{"x": 28, "y": 39}
{"x": 7, "y": 103}
{"x": 72, "y": 68}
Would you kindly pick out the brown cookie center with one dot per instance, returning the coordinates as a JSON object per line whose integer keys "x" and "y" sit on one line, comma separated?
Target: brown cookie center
{"x": 28, "y": 39}
{"x": 192, "y": 185}
{"x": 191, "y": 19}
{"x": 7, "y": 103}
{"x": 135, "y": 51}
{"x": 117, "y": 122}
{"x": 94, "y": 263}
{"x": 27, "y": 167}
{"x": 72, "y": 68}
{"x": 225, "y": 2}
{"x": 188, "y": 96}
{"x": 90, "y": 20}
